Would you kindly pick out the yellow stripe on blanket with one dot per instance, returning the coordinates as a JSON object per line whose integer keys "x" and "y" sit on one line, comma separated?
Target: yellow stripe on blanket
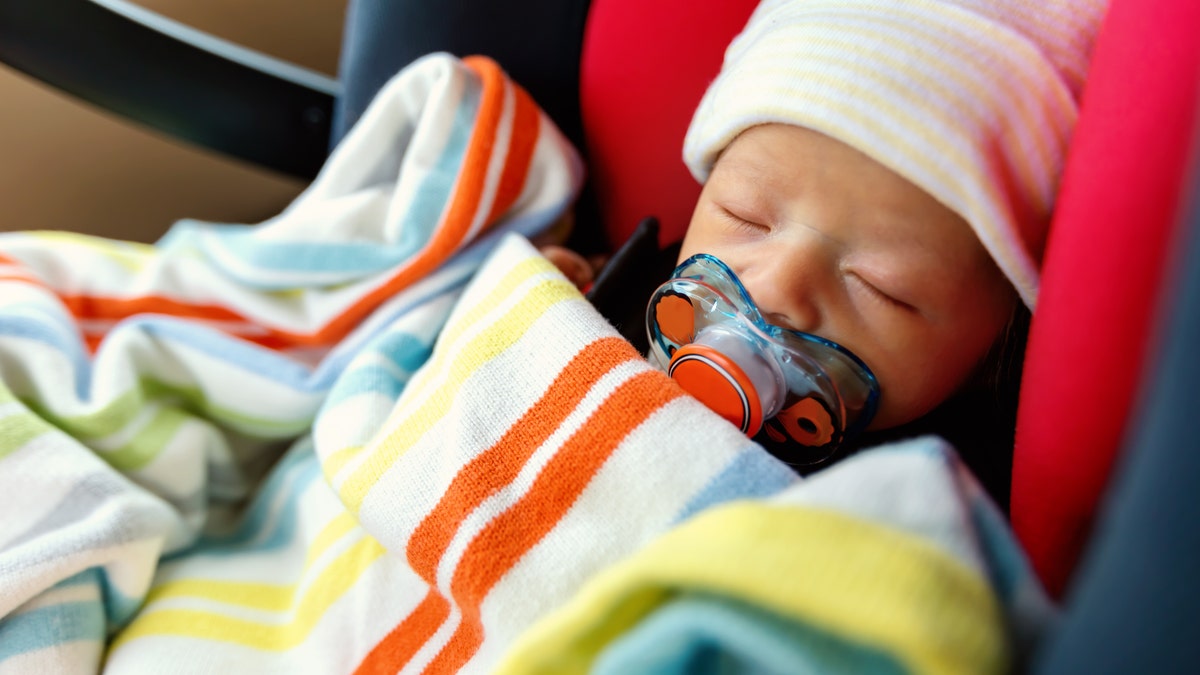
{"x": 483, "y": 348}
{"x": 337, "y": 460}
{"x": 863, "y": 582}
{"x": 458, "y": 324}
{"x": 331, "y": 584}
{"x": 130, "y": 255}
{"x": 267, "y": 597}
{"x": 520, "y": 272}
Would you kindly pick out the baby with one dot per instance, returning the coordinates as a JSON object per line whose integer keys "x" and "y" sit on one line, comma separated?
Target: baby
{"x": 881, "y": 174}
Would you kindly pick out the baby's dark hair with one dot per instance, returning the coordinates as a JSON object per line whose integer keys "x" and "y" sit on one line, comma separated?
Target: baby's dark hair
{"x": 986, "y": 432}
{"x": 1000, "y": 370}
{"x": 981, "y": 421}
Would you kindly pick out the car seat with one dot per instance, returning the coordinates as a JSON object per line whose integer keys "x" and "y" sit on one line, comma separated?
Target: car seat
{"x": 621, "y": 78}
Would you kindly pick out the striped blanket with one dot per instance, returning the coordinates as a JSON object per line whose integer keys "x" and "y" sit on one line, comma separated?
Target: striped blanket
{"x": 380, "y": 433}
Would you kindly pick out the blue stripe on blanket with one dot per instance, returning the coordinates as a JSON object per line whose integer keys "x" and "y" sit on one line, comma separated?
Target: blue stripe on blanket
{"x": 247, "y": 356}
{"x": 52, "y": 625}
{"x": 1008, "y": 569}
{"x": 118, "y": 607}
{"x": 35, "y": 323}
{"x": 751, "y": 474}
{"x": 260, "y": 529}
{"x": 372, "y": 379}
{"x": 458, "y": 272}
{"x": 264, "y": 362}
{"x": 345, "y": 261}
{"x": 699, "y": 633}
{"x": 405, "y": 351}
{"x": 186, "y": 234}
{"x": 424, "y": 213}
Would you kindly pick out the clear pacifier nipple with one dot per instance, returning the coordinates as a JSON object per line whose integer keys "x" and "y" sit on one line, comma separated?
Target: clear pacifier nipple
{"x": 729, "y": 374}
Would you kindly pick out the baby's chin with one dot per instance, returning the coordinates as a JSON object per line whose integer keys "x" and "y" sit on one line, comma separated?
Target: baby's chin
{"x": 899, "y": 413}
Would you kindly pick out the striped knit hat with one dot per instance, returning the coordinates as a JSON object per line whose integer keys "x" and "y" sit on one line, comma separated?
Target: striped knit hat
{"x": 971, "y": 100}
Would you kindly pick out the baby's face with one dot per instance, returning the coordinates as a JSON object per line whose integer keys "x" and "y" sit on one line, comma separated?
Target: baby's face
{"x": 830, "y": 242}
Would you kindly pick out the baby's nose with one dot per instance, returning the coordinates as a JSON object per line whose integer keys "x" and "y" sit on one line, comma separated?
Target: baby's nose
{"x": 779, "y": 319}
{"x": 787, "y": 300}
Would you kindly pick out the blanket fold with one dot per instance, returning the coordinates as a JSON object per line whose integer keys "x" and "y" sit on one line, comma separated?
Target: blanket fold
{"x": 893, "y": 561}
{"x": 146, "y": 389}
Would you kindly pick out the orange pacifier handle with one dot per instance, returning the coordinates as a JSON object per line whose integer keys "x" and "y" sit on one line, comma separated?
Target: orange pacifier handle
{"x": 675, "y": 316}
{"x": 808, "y": 422}
{"x": 720, "y": 384}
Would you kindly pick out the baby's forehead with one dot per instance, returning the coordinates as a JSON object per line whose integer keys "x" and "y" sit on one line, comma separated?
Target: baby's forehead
{"x": 776, "y": 163}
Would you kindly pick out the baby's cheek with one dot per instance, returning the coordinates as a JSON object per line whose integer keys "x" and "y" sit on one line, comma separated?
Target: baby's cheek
{"x": 914, "y": 378}
{"x": 915, "y": 386}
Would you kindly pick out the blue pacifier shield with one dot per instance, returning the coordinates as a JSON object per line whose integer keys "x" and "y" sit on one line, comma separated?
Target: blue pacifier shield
{"x": 802, "y": 395}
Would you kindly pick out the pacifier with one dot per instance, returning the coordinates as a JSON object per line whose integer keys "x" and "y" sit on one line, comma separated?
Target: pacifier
{"x": 799, "y": 395}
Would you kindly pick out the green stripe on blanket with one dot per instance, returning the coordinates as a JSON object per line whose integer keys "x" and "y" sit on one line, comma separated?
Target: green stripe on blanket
{"x": 18, "y": 425}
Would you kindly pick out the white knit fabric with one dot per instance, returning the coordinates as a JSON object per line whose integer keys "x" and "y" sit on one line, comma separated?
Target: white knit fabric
{"x": 971, "y": 100}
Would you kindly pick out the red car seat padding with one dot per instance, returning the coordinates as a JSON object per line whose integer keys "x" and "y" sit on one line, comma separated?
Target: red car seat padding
{"x": 1102, "y": 273}
{"x": 644, "y": 67}
{"x": 643, "y": 70}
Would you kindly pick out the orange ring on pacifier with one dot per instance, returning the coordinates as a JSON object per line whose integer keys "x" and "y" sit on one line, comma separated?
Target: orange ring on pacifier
{"x": 720, "y": 384}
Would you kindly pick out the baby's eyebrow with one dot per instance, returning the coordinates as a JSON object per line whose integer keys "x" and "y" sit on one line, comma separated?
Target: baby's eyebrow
{"x": 743, "y": 198}
{"x": 745, "y": 165}
{"x": 753, "y": 187}
{"x": 899, "y": 269}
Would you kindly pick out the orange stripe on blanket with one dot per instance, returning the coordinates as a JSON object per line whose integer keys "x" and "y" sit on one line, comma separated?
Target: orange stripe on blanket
{"x": 92, "y": 343}
{"x": 511, "y": 534}
{"x": 89, "y": 308}
{"x": 110, "y": 311}
{"x": 526, "y": 128}
{"x": 495, "y": 467}
{"x": 465, "y": 202}
{"x": 18, "y": 274}
{"x": 455, "y": 226}
{"x": 402, "y": 643}
{"x": 114, "y": 309}
{"x": 500, "y": 464}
